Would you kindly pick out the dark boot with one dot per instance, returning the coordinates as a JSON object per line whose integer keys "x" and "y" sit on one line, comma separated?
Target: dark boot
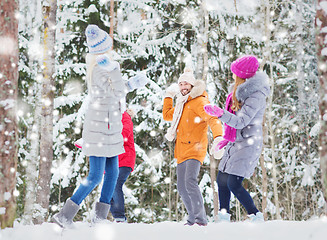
{"x": 64, "y": 218}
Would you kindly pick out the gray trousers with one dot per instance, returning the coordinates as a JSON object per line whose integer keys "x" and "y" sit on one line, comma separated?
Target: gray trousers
{"x": 188, "y": 189}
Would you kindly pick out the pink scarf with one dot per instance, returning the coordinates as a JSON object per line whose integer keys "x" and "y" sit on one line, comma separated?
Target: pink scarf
{"x": 230, "y": 133}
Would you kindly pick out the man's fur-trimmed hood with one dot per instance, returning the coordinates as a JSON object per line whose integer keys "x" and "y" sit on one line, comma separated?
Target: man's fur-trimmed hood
{"x": 259, "y": 82}
{"x": 198, "y": 89}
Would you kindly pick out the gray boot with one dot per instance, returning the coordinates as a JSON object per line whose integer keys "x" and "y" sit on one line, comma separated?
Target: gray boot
{"x": 64, "y": 218}
{"x": 101, "y": 212}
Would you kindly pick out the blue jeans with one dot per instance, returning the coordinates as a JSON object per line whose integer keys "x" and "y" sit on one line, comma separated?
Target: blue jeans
{"x": 97, "y": 166}
{"x": 117, "y": 207}
{"x": 228, "y": 183}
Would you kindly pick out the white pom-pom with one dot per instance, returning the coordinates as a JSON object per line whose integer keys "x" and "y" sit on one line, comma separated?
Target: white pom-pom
{"x": 188, "y": 69}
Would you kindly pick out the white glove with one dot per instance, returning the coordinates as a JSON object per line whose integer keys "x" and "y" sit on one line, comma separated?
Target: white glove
{"x": 105, "y": 62}
{"x": 138, "y": 81}
{"x": 172, "y": 90}
{"x": 217, "y": 154}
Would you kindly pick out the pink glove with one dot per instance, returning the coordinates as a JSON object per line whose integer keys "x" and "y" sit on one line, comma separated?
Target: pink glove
{"x": 222, "y": 144}
{"x": 213, "y": 110}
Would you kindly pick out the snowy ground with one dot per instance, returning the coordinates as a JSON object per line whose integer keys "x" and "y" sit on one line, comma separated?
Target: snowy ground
{"x": 270, "y": 230}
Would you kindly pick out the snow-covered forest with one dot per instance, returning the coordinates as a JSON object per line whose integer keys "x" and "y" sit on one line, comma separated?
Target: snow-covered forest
{"x": 160, "y": 38}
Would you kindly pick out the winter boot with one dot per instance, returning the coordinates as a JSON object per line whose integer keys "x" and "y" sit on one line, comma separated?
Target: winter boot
{"x": 101, "y": 212}
{"x": 64, "y": 218}
{"x": 223, "y": 216}
{"x": 258, "y": 217}
{"x": 121, "y": 220}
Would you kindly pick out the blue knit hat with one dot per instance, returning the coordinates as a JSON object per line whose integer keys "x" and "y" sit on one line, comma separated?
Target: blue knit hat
{"x": 97, "y": 40}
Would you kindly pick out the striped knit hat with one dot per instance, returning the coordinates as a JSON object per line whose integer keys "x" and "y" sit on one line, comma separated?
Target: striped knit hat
{"x": 245, "y": 67}
{"x": 97, "y": 40}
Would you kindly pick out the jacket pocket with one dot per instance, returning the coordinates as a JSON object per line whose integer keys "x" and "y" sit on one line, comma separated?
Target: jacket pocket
{"x": 239, "y": 136}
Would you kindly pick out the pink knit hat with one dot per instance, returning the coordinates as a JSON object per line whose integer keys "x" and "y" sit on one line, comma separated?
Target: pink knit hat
{"x": 245, "y": 67}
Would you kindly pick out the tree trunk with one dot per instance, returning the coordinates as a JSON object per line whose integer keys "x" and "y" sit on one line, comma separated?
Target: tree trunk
{"x": 170, "y": 182}
{"x": 46, "y": 139}
{"x": 270, "y": 102}
{"x": 213, "y": 174}
{"x": 264, "y": 170}
{"x": 112, "y": 15}
{"x": 8, "y": 103}
{"x": 205, "y": 42}
{"x": 33, "y": 7}
{"x": 264, "y": 187}
{"x": 299, "y": 65}
{"x": 321, "y": 23}
{"x": 31, "y": 169}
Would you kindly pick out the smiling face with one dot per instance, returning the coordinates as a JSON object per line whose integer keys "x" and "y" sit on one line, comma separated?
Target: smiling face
{"x": 184, "y": 87}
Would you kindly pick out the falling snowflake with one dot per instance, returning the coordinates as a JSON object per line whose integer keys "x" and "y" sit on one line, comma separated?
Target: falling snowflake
{"x": 197, "y": 119}
{"x": 295, "y": 128}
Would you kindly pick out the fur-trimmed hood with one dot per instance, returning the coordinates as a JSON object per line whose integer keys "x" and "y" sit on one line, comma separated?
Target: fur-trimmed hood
{"x": 198, "y": 89}
{"x": 259, "y": 82}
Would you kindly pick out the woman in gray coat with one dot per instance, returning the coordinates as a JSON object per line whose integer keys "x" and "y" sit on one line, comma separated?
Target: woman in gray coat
{"x": 102, "y": 130}
{"x": 243, "y": 116}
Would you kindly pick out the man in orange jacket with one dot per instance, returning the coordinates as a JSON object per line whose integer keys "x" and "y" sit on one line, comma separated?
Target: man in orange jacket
{"x": 189, "y": 131}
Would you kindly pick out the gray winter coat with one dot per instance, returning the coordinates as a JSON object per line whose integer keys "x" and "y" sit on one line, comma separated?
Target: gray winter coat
{"x": 102, "y": 130}
{"x": 241, "y": 157}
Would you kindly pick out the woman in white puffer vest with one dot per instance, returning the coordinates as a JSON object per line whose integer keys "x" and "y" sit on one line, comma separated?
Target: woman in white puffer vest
{"x": 102, "y": 130}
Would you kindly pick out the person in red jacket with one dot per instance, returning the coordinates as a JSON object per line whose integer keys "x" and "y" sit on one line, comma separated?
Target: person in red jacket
{"x": 126, "y": 166}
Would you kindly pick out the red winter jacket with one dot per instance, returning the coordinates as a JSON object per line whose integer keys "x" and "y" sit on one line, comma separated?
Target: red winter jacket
{"x": 127, "y": 159}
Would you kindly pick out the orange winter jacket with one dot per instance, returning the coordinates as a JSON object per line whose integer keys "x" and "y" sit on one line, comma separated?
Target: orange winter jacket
{"x": 191, "y": 138}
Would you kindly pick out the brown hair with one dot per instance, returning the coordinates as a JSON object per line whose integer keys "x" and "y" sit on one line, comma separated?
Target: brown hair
{"x": 236, "y": 104}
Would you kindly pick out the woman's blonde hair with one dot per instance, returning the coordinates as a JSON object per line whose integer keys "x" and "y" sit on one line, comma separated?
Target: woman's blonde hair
{"x": 236, "y": 104}
{"x": 90, "y": 60}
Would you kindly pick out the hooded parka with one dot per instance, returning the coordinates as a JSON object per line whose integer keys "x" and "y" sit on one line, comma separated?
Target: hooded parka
{"x": 241, "y": 157}
{"x": 191, "y": 138}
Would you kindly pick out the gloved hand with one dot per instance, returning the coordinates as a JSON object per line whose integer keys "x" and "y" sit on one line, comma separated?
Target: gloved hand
{"x": 105, "y": 62}
{"x": 172, "y": 90}
{"x": 222, "y": 144}
{"x": 214, "y": 150}
{"x": 213, "y": 110}
{"x": 138, "y": 81}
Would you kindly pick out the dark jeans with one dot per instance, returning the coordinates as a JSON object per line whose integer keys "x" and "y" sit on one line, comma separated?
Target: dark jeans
{"x": 117, "y": 208}
{"x": 97, "y": 166}
{"x": 228, "y": 183}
